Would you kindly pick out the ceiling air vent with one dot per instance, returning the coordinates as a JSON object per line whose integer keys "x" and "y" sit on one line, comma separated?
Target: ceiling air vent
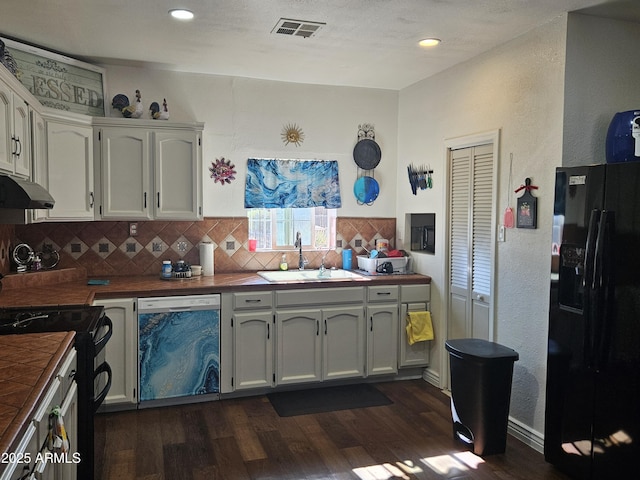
{"x": 297, "y": 28}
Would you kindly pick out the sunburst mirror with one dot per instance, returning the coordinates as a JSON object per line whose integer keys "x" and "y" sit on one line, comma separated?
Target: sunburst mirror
{"x": 291, "y": 133}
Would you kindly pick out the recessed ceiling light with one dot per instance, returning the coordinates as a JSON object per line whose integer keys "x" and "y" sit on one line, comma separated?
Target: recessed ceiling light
{"x": 429, "y": 42}
{"x": 181, "y": 14}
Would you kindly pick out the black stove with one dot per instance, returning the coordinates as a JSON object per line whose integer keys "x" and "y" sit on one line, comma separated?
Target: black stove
{"x": 50, "y": 319}
{"x": 93, "y": 374}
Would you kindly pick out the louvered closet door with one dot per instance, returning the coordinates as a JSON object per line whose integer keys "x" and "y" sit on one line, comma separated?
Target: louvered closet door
{"x": 470, "y": 260}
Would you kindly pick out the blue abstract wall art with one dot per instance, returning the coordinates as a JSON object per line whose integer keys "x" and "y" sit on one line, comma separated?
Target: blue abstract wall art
{"x": 273, "y": 183}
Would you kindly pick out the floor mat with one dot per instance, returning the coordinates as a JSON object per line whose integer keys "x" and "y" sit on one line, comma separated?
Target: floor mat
{"x": 329, "y": 399}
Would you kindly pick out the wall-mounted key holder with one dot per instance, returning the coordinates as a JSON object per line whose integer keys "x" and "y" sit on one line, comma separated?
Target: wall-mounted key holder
{"x": 527, "y": 209}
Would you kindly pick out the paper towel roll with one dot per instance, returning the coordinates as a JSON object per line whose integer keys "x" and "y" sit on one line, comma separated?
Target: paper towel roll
{"x": 206, "y": 258}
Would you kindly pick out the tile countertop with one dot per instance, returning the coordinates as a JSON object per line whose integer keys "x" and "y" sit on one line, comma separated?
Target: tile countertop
{"x": 28, "y": 364}
{"x": 38, "y": 291}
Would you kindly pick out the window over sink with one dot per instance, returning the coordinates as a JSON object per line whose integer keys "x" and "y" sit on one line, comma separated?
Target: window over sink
{"x": 275, "y": 228}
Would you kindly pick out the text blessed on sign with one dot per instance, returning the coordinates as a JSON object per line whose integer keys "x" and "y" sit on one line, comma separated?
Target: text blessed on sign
{"x": 59, "y": 82}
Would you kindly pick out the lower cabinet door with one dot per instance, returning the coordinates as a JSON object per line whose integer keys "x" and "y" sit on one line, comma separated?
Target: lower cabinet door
{"x": 382, "y": 339}
{"x": 299, "y": 341}
{"x": 343, "y": 342}
{"x": 253, "y": 349}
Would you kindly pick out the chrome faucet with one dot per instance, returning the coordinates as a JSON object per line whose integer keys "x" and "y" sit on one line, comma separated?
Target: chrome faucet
{"x": 301, "y": 260}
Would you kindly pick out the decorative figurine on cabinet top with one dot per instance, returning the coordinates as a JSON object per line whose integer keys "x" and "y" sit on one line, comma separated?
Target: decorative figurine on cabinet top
{"x": 134, "y": 111}
{"x": 157, "y": 113}
{"x": 121, "y": 102}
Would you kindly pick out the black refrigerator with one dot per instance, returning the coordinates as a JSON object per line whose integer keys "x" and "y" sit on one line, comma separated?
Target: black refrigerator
{"x": 592, "y": 417}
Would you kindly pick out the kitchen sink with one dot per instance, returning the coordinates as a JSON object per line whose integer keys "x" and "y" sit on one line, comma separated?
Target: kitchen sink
{"x": 304, "y": 276}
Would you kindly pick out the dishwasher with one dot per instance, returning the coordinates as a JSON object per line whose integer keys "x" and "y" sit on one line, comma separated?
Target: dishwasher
{"x": 178, "y": 349}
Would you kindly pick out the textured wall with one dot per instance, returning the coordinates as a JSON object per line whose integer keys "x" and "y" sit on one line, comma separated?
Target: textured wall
{"x": 518, "y": 89}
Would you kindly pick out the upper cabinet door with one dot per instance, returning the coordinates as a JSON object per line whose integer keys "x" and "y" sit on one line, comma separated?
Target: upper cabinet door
{"x": 22, "y": 137}
{"x": 15, "y": 136}
{"x": 70, "y": 171}
{"x": 6, "y": 129}
{"x": 125, "y": 168}
{"x": 178, "y": 175}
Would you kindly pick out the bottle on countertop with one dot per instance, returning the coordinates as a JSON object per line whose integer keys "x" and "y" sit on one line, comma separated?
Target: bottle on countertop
{"x": 166, "y": 269}
{"x": 283, "y": 263}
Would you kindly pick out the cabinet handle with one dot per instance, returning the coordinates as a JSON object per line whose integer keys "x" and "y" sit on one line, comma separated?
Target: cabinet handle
{"x": 72, "y": 374}
{"x": 268, "y": 331}
{"x": 325, "y": 326}
{"x": 158, "y": 199}
{"x": 92, "y": 199}
{"x": 317, "y": 328}
{"x": 252, "y": 300}
{"x": 383, "y": 293}
{"x": 145, "y": 199}
{"x": 371, "y": 321}
{"x": 18, "y": 144}
{"x": 15, "y": 145}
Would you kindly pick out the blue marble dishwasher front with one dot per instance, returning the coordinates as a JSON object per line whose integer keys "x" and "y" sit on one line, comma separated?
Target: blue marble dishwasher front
{"x": 179, "y": 349}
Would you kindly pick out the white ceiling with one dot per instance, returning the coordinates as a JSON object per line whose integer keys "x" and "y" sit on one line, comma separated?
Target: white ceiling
{"x": 365, "y": 43}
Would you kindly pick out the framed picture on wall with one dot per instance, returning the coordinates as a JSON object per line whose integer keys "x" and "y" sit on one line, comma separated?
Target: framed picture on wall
{"x": 58, "y": 81}
{"x": 527, "y": 208}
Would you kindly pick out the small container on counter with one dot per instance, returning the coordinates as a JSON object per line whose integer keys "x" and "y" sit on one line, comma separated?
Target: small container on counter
{"x": 166, "y": 269}
{"x": 346, "y": 259}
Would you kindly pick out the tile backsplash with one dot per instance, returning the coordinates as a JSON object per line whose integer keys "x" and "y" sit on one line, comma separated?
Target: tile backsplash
{"x": 107, "y": 248}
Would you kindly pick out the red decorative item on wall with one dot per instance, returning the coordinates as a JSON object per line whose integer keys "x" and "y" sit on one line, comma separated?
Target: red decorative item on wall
{"x": 222, "y": 171}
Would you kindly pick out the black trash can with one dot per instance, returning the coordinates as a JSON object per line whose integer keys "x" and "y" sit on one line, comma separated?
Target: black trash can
{"x": 481, "y": 374}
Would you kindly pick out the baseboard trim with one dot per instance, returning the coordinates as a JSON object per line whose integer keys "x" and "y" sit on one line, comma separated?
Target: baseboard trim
{"x": 526, "y": 434}
{"x": 431, "y": 377}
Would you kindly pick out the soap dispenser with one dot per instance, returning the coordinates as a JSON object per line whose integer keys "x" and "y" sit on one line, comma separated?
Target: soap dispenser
{"x": 283, "y": 263}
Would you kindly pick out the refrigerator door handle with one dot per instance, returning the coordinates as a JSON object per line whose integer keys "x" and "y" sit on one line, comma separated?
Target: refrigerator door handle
{"x": 588, "y": 284}
{"x": 589, "y": 254}
{"x": 605, "y": 289}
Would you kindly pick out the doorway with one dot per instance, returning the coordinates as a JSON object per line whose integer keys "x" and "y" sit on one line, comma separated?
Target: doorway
{"x": 470, "y": 266}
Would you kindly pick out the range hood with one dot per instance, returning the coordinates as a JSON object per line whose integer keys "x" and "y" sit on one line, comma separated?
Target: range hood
{"x": 19, "y": 194}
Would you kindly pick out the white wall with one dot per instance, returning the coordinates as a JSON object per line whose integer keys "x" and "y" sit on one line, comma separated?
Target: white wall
{"x": 244, "y": 118}
{"x": 517, "y": 88}
{"x": 603, "y": 68}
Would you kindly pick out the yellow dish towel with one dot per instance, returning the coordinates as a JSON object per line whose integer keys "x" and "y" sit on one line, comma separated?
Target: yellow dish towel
{"x": 419, "y": 327}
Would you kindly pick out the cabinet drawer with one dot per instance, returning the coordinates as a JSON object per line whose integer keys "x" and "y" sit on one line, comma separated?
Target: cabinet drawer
{"x": 415, "y": 293}
{"x": 252, "y": 300}
{"x": 319, "y": 296}
{"x": 51, "y": 399}
{"x": 383, "y": 293}
{"x": 67, "y": 372}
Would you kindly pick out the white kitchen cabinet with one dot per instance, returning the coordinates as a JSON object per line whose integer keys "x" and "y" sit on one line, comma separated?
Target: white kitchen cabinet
{"x": 39, "y": 159}
{"x": 299, "y": 340}
{"x": 343, "y": 343}
{"x": 413, "y": 298}
{"x": 382, "y": 330}
{"x": 66, "y": 170}
{"x": 320, "y": 334}
{"x": 125, "y": 178}
{"x": 247, "y": 339}
{"x": 178, "y": 175}
{"x": 122, "y": 353}
{"x": 15, "y": 139}
{"x": 253, "y": 349}
{"x": 382, "y": 339}
{"x": 148, "y": 170}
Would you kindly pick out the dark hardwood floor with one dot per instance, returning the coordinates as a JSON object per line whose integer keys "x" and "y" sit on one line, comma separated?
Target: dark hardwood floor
{"x": 237, "y": 439}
